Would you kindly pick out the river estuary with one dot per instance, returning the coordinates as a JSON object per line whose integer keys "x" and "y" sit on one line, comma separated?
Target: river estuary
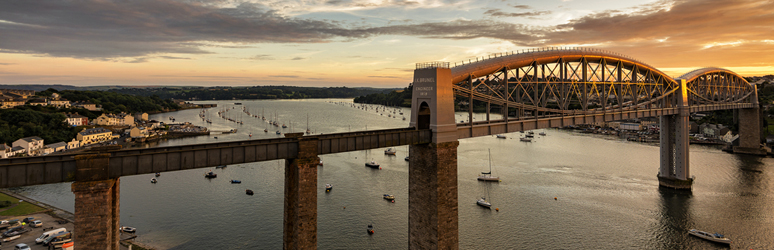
{"x": 606, "y": 189}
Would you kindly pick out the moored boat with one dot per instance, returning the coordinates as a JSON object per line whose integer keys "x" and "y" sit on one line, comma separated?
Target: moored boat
{"x": 210, "y": 175}
{"x": 501, "y": 137}
{"x": 525, "y": 139}
{"x": 390, "y": 151}
{"x": 407, "y": 158}
{"x": 716, "y": 237}
{"x": 221, "y": 166}
{"x": 389, "y": 197}
{"x": 128, "y": 229}
{"x": 372, "y": 164}
{"x": 236, "y": 181}
{"x": 370, "y": 229}
{"x": 249, "y": 192}
{"x": 487, "y": 176}
{"x": 542, "y": 133}
{"x": 153, "y": 180}
{"x": 482, "y": 202}
{"x": 158, "y": 174}
{"x": 328, "y": 187}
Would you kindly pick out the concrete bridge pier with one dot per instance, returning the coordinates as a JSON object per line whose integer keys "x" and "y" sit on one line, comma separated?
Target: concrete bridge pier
{"x": 97, "y": 198}
{"x": 749, "y": 132}
{"x": 300, "y": 218}
{"x": 674, "y": 171}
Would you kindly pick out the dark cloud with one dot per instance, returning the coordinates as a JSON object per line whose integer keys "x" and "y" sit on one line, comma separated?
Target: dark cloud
{"x": 107, "y": 29}
{"x": 520, "y": 6}
{"x": 498, "y": 13}
{"x": 138, "y": 60}
{"x": 262, "y": 57}
{"x": 298, "y": 58}
{"x": 175, "y": 57}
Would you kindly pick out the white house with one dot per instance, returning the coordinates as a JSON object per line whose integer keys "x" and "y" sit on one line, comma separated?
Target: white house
{"x": 30, "y": 144}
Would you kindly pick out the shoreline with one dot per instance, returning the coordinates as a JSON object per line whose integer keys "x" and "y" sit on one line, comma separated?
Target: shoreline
{"x": 70, "y": 217}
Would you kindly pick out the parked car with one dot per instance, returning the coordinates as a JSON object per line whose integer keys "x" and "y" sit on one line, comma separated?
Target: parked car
{"x": 21, "y": 246}
{"x": 36, "y": 223}
{"x": 28, "y": 219}
{"x": 49, "y": 233}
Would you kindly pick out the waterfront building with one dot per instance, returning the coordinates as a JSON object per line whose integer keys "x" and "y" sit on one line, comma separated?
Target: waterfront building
{"x": 138, "y": 132}
{"x": 75, "y": 119}
{"x": 87, "y": 105}
{"x": 30, "y": 144}
{"x": 5, "y": 151}
{"x": 114, "y": 120}
{"x": 141, "y": 116}
{"x": 59, "y": 103}
{"x": 56, "y": 147}
{"x": 94, "y": 135}
{"x": 38, "y": 102}
{"x": 74, "y": 144}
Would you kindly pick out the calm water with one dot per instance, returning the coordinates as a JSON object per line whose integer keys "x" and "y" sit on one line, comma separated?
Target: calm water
{"x": 607, "y": 191}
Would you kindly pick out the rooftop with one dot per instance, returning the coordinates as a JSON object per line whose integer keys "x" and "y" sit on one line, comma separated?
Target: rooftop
{"x": 91, "y": 131}
{"x": 31, "y": 139}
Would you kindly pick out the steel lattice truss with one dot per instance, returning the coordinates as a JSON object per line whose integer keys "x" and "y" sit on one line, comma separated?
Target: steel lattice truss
{"x": 558, "y": 82}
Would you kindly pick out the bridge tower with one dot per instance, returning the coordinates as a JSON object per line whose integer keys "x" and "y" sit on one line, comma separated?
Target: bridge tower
{"x": 433, "y": 204}
{"x": 675, "y": 168}
{"x": 96, "y": 203}
{"x": 749, "y": 120}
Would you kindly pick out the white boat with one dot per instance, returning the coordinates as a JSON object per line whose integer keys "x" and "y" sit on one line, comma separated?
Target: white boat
{"x": 153, "y": 180}
{"x": 389, "y": 197}
{"x": 390, "y": 151}
{"x": 542, "y": 133}
{"x": 482, "y": 202}
{"x": 328, "y": 187}
{"x": 487, "y": 176}
{"x": 525, "y": 139}
{"x": 501, "y": 137}
{"x": 716, "y": 237}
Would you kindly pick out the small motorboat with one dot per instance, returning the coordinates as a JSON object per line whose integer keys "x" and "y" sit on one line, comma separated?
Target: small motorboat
{"x": 529, "y": 135}
{"x": 542, "y": 133}
{"x": 501, "y": 137}
{"x": 390, "y": 151}
{"x": 278, "y": 132}
{"x": 370, "y": 229}
{"x": 389, "y": 197}
{"x": 716, "y": 237}
{"x": 525, "y": 139}
{"x": 407, "y": 158}
{"x": 249, "y": 192}
{"x": 215, "y": 137}
{"x": 221, "y": 166}
{"x": 158, "y": 174}
{"x": 236, "y": 182}
{"x": 328, "y": 187}
{"x": 482, "y": 202}
{"x": 130, "y": 230}
{"x": 210, "y": 175}
{"x": 372, "y": 164}
{"x": 153, "y": 180}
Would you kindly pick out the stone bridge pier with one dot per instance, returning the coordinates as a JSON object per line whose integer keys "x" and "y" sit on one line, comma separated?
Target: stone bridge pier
{"x": 300, "y": 218}
{"x": 97, "y": 198}
{"x": 675, "y": 168}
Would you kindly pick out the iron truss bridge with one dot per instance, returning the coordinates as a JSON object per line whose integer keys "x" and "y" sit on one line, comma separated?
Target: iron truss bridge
{"x": 555, "y": 87}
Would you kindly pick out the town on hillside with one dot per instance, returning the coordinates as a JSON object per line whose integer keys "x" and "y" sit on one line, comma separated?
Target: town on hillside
{"x": 105, "y": 129}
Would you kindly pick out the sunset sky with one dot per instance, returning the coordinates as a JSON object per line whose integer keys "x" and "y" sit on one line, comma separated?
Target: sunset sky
{"x": 353, "y": 43}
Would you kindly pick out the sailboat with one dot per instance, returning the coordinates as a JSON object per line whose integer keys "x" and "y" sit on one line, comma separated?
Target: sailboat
{"x": 487, "y": 176}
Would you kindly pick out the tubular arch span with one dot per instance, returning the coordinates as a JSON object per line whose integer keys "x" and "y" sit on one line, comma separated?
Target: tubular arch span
{"x": 556, "y": 81}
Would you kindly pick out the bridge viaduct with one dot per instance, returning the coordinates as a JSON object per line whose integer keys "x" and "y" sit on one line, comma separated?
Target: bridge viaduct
{"x": 534, "y": 89}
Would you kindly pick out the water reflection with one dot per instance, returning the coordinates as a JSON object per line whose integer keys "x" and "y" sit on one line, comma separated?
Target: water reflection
{"x": 674, "y": 218}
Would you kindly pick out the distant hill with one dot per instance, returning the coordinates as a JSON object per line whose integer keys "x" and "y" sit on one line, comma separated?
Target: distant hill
{"x": 59, "y": 87}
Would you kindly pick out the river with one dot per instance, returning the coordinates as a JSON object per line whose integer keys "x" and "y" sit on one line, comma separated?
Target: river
{"x": 607, "y": 194}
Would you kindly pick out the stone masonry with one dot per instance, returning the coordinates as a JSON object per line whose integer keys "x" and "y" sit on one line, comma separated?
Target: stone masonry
{"x": 300, "y": 218}
{"x": 433, "y": 203}
{"x": 96, "y": 214}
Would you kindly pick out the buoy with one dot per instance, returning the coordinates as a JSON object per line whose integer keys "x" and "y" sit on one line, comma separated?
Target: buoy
{"x": 554, "y": 198}
{"x": 345, "y": 207}
{"x": 497, "y": 209}
{"x": 393, "y": 201}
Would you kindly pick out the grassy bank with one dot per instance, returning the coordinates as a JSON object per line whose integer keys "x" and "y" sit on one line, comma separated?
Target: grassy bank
{"x": 18, "y": 208}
